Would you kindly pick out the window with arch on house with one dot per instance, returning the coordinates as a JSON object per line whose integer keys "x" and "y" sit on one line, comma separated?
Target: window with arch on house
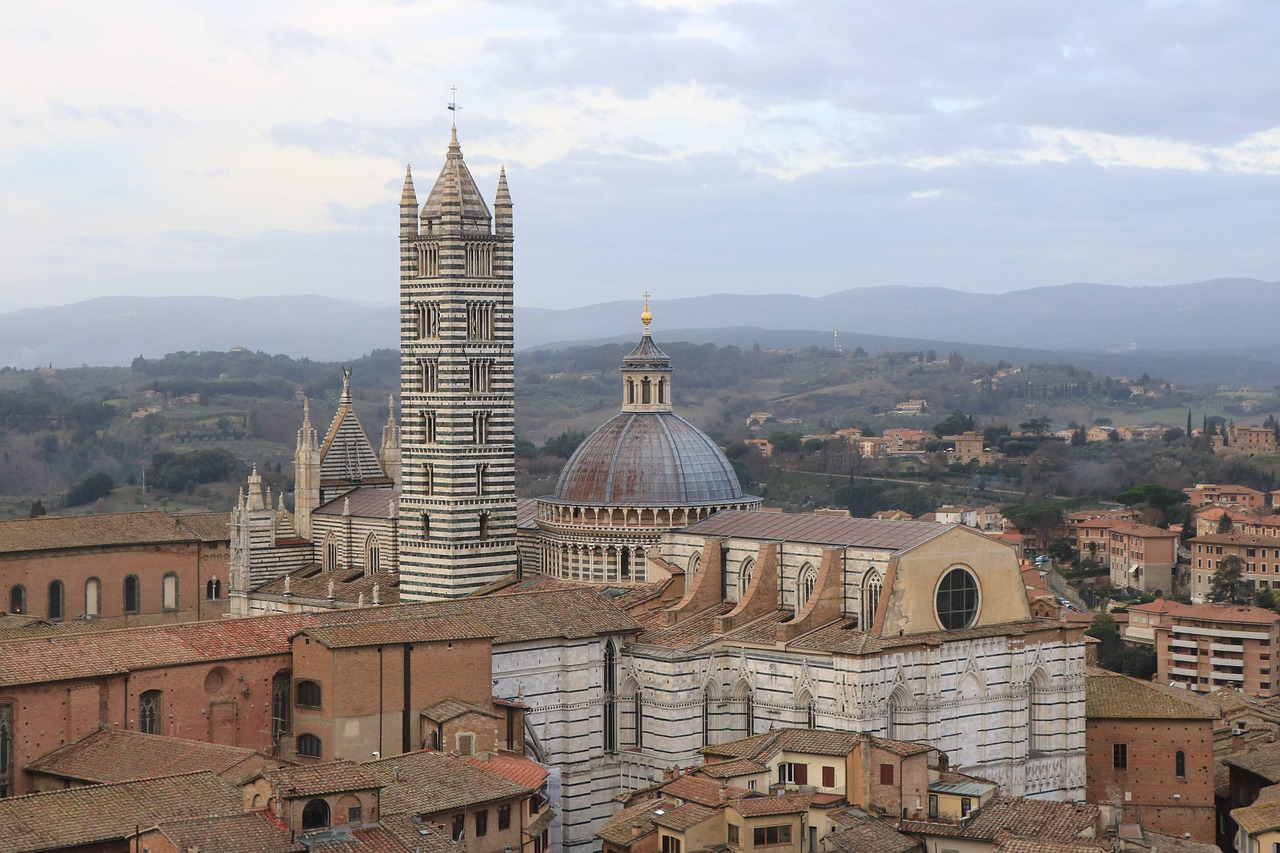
{"x": 872, "y": 585}
{"x": 429, "y": 427}
{"x": 426, "y": 525}
{"x": 169, "y": 591}
{"x": 481, "y": 471}
{"x": 281, "y": 707}
{"x": 17, "y": 599}
{"x": 646, "y": 391}
{"x": 1041, "y": 712}
{"x": 695, "y": 563}
{"x": 308, "y": 694}
{"x": 609, "y": 681}
{"x": 480, "y": 427}
{"x": 1180, "y": 764}
{"x": 805, "y": 583}
{"x": 745, "y": 572}
{"x": 481, "y": 376}
{"x": 372, "y": 555}
{"x": 329, "y": 556}
{"x": 428, "y": 478}
{"x": 92, "y": 598}
{"x": 315, "y": 814}
{"x": 428, "y": 320}
{"x": 58, "y": 601}
{"x": 310, "y": 746}
{"x": 132, "y": 593}
{"x": 662, "y": 391}
{"x": 213, "y": 589}
{"x": 484, "y": 525}
{"x": 149, "y": 711}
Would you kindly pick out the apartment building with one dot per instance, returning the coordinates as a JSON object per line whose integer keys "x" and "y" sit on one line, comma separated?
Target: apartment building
{"x": 1206, "y": 646}
{"x": 1260, "y": 555}
{"x": 1202, "y": 494}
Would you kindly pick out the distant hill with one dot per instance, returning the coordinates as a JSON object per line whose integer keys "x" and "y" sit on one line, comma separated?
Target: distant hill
{"x": 1221, "y": 330}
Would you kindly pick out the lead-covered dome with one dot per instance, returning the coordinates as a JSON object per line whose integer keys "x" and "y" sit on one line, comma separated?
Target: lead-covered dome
{"x": 648, "y": 458}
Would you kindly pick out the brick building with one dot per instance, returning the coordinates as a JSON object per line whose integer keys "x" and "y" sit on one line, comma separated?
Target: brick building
{"x": 1259, "y": 554}
{"x": 1150, "y": 753}
{"x": 147, "y": 567}
{"x": 1204, "y": 494}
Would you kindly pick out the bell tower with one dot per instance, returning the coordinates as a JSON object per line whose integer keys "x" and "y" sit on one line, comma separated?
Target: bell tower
{"x": 457, "y": 386}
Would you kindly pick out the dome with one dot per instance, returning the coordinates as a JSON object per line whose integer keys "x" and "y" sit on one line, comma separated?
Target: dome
{"x": 648, "y": 458}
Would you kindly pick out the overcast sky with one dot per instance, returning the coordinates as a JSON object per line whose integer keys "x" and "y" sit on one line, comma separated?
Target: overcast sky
{"x": 680, "y": 146}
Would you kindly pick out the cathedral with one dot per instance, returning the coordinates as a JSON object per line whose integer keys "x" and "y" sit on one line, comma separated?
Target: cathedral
{"x": 747, "y": 620}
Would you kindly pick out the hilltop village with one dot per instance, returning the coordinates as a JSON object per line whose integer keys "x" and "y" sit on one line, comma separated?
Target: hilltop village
{"x": 403, "y": 655}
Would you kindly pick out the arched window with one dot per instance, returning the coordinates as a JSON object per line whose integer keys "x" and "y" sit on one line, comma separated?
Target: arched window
{"x": 646, "y": 391}
{"x": 898, "y": 726}
{"x": 308, "y": 694}
{"x": 315, "y": 814}
{"x": 484, "y": 525}
{"x": 809, "y": 708}
{"x": 428, "y": 478}
{"x": 57, "y": 601}
{"x": 310, "y": 746}
{"x": 708, "y": 696}
{"x": 805, "y": 582}
{"x": 213, "y": 589}
{"x": 662, "y": 391}
{"x": 281, "y": 707}
{"x": 18, "y": 599}
{"x": 429, "y": 427}
{"x": 631, "y": 392}
{"x": 1040, "y": 710}
{"x": 149, "y": 705}
{"x": 1180, "y": 764}
{"x": 695, "y": 563}
{"x": 871, "y": 586}
{"x": 372, "y": 555}
{"x": 131, "y": 603}
{"x": 6, "y": 750}
{"x": 745, "y": 573}
{"x": 426, "y": 525}
{"x": 609, "y": 679}
{"x": 330, "y": 556}
{"x": 169, "y": 588}
{"x": 481, "y": 471}
{"x": 92, "y": 597}
{"x": 745, "y": 704}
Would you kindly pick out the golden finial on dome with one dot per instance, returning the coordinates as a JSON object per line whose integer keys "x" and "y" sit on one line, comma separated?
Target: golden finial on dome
{"x": 646, "y": 317}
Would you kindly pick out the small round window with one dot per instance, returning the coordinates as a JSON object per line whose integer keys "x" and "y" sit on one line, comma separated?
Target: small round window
{"x": 957, "y": 602}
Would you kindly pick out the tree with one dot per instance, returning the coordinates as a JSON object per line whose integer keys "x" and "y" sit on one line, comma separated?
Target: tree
{"x": 1060, "y": 550}
{"x": 564, "y": 444}
{"x": 1173, "y": 434}
{"x": 954, "y": 424}
{"x": 90, "y": 489}
{"x": 1036, "y": 426}
{"x": 1160, "y": 499}
{"x": 1041, "y": 518}
{"x": 1228, "y": 584}
{"x": 1225, "y": 524}
{"x": 37, "y": 508}
{"x": 787, "y": 442}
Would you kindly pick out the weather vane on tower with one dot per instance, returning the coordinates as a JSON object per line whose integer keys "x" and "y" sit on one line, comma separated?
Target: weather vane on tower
{"x": 453, "y": 106}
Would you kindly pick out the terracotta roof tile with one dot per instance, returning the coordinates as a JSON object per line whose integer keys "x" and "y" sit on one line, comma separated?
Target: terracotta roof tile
{"x": 1263, "y": 761}
{"x": 331, "y": 777}
{"x": 62, "y": 532}
{"x": 1114, "y": 696}
{"x": 363, "y": 839}
{"x": 731, "y": 768}
{"x": 1048, "y": 820}
{"x": 786, "y": 803}
{"x": 311, "y": 582}
{"x": 112, "y": 755}
{"x": 684, "y": 817}
{"x": 448, "y": 626}
{"x": 420, "y": 836}
{"x": 97, "y": 653}
{"x": 1036, "y": 845}
{"x": 425, "y": 783}
{"x": 857, "y": 832}
{"x": 448, "y": 709}
{"x": 102, "y": 813}
{"x": 514, "y": 768}
{"x": 701, "y": 790}
{"x": 820, "y": 530}
{"x": 254, "y": 831}
{"x": 641, "y": 816}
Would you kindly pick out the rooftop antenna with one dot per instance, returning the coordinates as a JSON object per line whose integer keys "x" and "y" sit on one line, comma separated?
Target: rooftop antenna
{"x": 453, "y": 106}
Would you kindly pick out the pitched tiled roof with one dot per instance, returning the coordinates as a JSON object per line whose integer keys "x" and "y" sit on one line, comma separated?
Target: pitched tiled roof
{"x": 1036, "y": 845}
{"x": 1147, "y": 531}
{"x": 569, "y": 612}
{"x": 1258, "y": 817}
{"x": 99, "y": 653}
{"x": 363, "y": 502}
{"x": 419, "y": 836}
{"x": 311, "y": 582}
{"x": 857, "y": 832}
{"x": 745, "y": 747}
{"x": 699, "y": 789}
{"x": 254, "y": 831}
{"x": 112, "y": 755}
{"x": 820, "y": 530}
{"x": 362, "y": 839}
{"x": 640, "y": 817}
{"x": 331, "y": 777}
{"x": 1044, "y": 819}
{"x": 731, "y": 768}
{"x": 683, "y": 817}
{"x": 447, "y": 626}
{"x": 789, "y": 802}
{"x": 424, "y": 783}
{"x": 59, "y": 532}
{"x": 1219, "y": 612}
{"x": 1263, "y": 761}
{"x": 527, "y": 513}
{"x": 447, "y": 709}
{"x": 514, "y": 768}
{"x": 1119, "y": 697}
{"x": 101, "y": 813}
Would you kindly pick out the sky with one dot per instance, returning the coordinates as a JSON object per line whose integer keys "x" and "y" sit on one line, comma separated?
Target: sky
{"x": 684, "y": 147}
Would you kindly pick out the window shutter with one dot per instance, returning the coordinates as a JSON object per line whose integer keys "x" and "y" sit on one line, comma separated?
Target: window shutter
{"x": 828, "y": 777}
{"x": 802, "y": 774}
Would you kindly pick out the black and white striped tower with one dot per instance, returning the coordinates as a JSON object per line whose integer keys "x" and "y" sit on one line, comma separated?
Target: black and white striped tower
{"x": 457, "y": 387}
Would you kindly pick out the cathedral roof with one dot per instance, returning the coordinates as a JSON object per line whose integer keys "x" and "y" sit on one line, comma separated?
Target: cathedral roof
{"x": 346, "y": 455}
{"x": 648, "y": 458}
{"x": 821, "y": 530}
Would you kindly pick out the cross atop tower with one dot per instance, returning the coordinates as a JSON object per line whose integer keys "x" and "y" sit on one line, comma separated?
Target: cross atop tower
{"x": 453, "y": 106}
